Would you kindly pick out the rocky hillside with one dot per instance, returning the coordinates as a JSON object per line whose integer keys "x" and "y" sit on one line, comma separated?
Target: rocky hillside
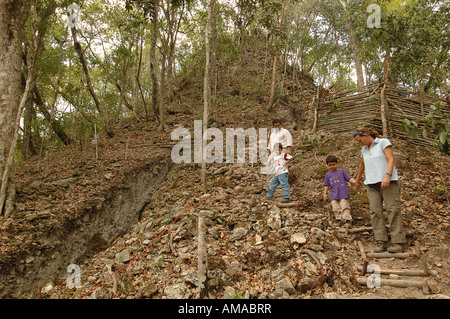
{"x": 255, "y": 248}
{"x": 258, "y": 250}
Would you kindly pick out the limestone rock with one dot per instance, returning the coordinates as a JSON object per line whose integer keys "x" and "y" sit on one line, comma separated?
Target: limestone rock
{"x": 274, "y": 220}
{"x": 238, "y": 233}
{"x": 286, "y": 285}
{"x": 177, "y": 291}
{"x": 124, "y": 256}
{"x": 298, "y": 238}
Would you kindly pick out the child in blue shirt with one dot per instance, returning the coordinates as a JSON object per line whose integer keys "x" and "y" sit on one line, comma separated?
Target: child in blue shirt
{"x": 336, "y": 181}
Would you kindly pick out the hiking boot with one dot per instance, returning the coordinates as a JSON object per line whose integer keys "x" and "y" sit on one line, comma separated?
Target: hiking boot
{"x": 381, "y": 247}
{"x": 397, "y": 248}
{"x": 285, "y": 200}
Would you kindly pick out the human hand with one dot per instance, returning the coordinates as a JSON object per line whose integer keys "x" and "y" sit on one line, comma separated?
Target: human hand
{"x": 385, "y": 182}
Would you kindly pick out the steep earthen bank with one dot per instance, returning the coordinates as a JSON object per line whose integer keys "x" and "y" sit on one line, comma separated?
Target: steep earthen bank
{"x": 96, "y": 224}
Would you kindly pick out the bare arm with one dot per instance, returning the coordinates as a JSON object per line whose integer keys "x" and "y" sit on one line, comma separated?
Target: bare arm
{"x": 389, "y": 153}
{"x": 360, "y": 172}
{"x": 288, "y": 161}
{"x": 325, "y": 192}
{"x": 352, "y": 181}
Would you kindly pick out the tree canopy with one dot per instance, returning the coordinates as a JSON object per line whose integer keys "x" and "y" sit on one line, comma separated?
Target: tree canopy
{"x": 96, "y": 61}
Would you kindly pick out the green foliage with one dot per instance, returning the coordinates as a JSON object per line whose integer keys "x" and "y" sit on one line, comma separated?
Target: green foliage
{"x": 440, "y": 125}
{"x": 410, "y": 127}
{"x": 156, "y": 264}
{"x": 335, "y": 105}
{"x": 314, "y": 39}
{"x": 415, "y": 35}
{"x": 314, "y": 140}
{"x": 237, "y": 295}
{"x": 435, "y": 122}
{"x": 373, "y": 97}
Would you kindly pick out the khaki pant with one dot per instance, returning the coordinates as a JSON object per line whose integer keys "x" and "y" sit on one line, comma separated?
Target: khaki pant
{"x": 341, "y": 209}
{"x": 391, "y": 198}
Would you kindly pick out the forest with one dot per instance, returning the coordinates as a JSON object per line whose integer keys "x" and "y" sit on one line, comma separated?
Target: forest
{"x": 73, "y": 67}
{"x": 73, "y": 72}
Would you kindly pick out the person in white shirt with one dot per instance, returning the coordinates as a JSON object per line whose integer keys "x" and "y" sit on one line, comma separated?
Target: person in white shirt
{"x": 280, "y": 135}
{"x": 280, "y": 161}
{"x": 377, "y": 161}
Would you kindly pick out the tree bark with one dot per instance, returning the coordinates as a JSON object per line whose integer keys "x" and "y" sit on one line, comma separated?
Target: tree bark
{"x": 206, "y": 87}
{"x": 90, "y": 88}
{"x": 202, "y": 257}
{"x": 158, "y": 107}
{"x": 10, "y": 96}
{"x": 27, "y": 140}
{"x": 356, "y": 50}
{"x": 274, "y": 69}
{"x": 383, "y": 102}
{"x": 173, "y": 27}
{"x": 138, "y": 75}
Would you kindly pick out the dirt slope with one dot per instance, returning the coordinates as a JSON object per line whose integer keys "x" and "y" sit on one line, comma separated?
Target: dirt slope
{"x": 257, "y": 250}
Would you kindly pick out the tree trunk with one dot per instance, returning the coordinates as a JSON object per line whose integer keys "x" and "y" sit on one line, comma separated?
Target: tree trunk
{"x": 90, "y": 88}
{"x": 27, "y": 141}
{"x": 134, "y": 93}
{"x": 11, "y": 103}
{"x": 138, "y": 76}
{"x": 202, "y": 257}
{"x": 52, "y": 110}
{"x": 174, "y": 24}
{"x": 274, "y": 73}
{"x": 206, "y": 87}
{"x": 158, "y": 108}
{"x": 383, "y": 102}
{"x": 356, "y": 56}
{"x": 124, "y": 80}
{"x": 213, "y": 49}
{"x": 356, "y": 51}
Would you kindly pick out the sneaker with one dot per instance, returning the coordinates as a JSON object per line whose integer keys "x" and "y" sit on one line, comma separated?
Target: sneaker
{"x": 381, "y": 247}
{"x": 397, "y": 248}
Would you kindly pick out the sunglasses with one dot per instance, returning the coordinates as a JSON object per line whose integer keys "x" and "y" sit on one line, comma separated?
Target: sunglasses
{"x": 359, "y": 133}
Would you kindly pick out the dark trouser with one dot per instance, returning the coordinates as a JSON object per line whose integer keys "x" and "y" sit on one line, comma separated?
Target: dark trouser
{"x": 391, "y": 198}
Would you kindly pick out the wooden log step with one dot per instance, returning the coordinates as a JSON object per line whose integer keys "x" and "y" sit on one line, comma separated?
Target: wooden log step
{"x": 362, "y": 250}
{"x": 389, "y": 255}
{"x": 359, "y": 230}
{"x": 400, "y": 283}
{"x": 402, "y": 272}
{"x": 284, "y": 205}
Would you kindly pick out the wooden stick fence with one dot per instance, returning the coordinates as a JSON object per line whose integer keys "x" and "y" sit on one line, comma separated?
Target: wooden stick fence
{"x": 380, "y": 107}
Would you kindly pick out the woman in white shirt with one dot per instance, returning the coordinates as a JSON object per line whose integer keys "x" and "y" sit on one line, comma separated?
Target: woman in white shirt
{"x": 377, "y": 161}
